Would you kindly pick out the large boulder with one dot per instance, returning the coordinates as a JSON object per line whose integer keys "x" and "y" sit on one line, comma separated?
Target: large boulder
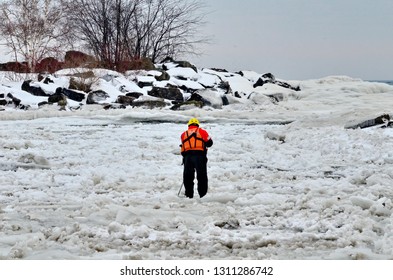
{"x": 34, "y": 90}
{"x": 113, "y": 106}
{"x": 269, "y": 78}
{"x": 135, "y": 64}
{"x": 125, "y": 100}
{"x": 201, "y": 98}
{"x": 17, "y": 67}
{"x": 17, "y": 102}
{"x": 48, "y": 65}
{"x": 134, "y": 94}
{"x": 149, "y": 102}
{"x": 81, "y": 81}
{"x": 265, "y": 78}
{"x": 210, "y": 97}
{"x": 187, "y": 105}
{"x": 77, "y": 59}
{"x": 178, "y": 63}
{"x": 164, "y": 76}
{"x": 71, "y": 94}
{"x": 170, "y": 93}
{"x": 55, "y": 98}
{"x": 97, "y": 97}
{"x": 186, "y": 64}
{"x": 224, "y": 85}
{"x": 286, "y": 85}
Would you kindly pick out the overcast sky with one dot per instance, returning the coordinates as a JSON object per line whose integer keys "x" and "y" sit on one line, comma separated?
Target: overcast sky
{"x": 300, "y": 39}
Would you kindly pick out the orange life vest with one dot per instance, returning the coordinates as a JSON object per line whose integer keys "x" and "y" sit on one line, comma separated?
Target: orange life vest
{"x": 192, "y": 140}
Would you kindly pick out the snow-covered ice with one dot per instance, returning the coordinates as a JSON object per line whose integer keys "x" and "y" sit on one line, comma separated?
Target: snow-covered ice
{"x": 95, "y": 184}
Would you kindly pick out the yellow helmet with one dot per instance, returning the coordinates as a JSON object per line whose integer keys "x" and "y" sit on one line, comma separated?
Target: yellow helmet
{"x": 193, "y": 121}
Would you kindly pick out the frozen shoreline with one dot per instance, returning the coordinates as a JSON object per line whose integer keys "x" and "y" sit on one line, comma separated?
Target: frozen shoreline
{"x": 110, "y": 192}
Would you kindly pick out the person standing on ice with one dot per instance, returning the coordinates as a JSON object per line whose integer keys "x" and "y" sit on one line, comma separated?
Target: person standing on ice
{"x": 194, "y": 144}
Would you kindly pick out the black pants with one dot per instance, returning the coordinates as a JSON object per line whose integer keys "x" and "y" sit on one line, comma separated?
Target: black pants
{"x": 191, "y": 163}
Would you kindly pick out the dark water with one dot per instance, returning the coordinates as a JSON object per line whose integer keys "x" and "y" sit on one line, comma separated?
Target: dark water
{"x": 389, "y": 82}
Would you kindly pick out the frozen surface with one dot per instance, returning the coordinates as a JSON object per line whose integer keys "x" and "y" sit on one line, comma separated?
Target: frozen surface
{"x": 95, "y": 184}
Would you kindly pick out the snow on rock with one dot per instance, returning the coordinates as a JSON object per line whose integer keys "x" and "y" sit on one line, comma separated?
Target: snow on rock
{"x": 184, "y": 73}
{"x": 212, "y": 98}
{"x": 239, "y": 89}
{"x": 208, "y": 80}
{"x": 188, "y": 84}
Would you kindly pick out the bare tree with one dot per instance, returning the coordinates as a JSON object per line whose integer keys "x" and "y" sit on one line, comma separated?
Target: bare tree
{"x": 167, "y": 28}
{"x": 32, "y": 29}
{"x": 124, "y": 30}
{"x": 103, "y": 25}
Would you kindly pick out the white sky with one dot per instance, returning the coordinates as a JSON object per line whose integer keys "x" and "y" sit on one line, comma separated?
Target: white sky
{"x": 301, "y": 39}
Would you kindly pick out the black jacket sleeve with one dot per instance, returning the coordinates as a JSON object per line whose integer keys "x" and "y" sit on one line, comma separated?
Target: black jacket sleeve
{"x": 209, "y": 143}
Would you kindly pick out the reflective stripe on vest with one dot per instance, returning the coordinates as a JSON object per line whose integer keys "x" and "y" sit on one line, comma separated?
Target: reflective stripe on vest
{"x": 193, "y": 141}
